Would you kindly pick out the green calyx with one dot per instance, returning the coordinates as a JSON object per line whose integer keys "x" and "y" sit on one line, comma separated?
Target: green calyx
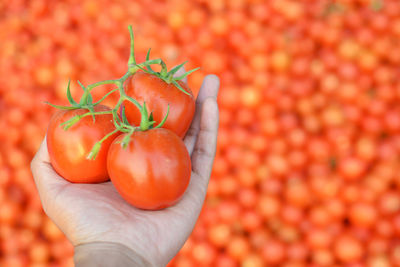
{"x": 120, "y": 121}
{"x": 147, "y": 122}
{"x": 169, "y": 76}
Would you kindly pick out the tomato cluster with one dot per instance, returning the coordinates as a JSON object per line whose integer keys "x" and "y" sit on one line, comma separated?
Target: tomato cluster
{"x": 307, "y": 170}
{"x": 148, "y": 165}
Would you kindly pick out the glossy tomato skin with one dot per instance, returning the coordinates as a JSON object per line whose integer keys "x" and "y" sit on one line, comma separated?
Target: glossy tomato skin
{"x": 68, "y": 149}
{"x": 158, "y": 94}
{"x": 153, "y": 171}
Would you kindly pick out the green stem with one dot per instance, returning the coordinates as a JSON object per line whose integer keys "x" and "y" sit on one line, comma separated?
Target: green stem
{"x": 132, "y": 100}
{"x": 132, "y": 60}
{"x": 105, "y": 96}
{"x": 93, "y": 85}
{"x": 119, "y": 82}
{"x": 126, "y": 139}
{"x": 96, "y": 113}
{"x": 96, "y": 148}
{"x": 116, "y": 120}
{"x": 124, "y": 78}
{"x": 69, "y": 123}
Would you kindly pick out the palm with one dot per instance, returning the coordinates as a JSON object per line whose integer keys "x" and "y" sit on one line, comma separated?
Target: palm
{"x": 96, "y": 212}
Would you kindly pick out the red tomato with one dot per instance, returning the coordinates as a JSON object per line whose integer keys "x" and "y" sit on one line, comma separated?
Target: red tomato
{"x": 68, "y": 149}
{"x": 158, "y": 95}
{"x": 153, "y": 171}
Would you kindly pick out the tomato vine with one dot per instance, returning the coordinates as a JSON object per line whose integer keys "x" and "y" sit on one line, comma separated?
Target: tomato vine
{"x": 120, "y": 121}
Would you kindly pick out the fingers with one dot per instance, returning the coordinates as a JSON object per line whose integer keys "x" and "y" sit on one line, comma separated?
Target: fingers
{"x": 46, "y": 179}
{"x": 204, "y": 150}
{"x": 202, "y": 159}
{"x": 209, "y": 89}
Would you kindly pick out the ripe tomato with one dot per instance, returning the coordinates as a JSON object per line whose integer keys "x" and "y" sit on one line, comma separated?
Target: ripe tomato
{"x": 157, "y": 94}
{"x": 68, "y": 149}
{"x": 153, "y": 171}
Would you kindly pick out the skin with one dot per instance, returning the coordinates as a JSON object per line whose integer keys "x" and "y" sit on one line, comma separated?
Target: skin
{"x": 159, "y": 168}
{"x": 157, "y": 94}
{"x": 68, "y": 149}
{"x": 89, "y": 213}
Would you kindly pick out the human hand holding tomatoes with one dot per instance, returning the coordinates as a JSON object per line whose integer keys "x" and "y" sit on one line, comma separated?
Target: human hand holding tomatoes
{"x": 91, "y": 214}
{"x": 144, "y": 160}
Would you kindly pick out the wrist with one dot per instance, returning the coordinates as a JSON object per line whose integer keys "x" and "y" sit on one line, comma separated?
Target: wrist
{"x": 104, "y": 254}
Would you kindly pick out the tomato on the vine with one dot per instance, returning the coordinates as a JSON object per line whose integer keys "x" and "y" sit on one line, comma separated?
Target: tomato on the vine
{"x": 158, "y": 94}
{"x": 69, "y": 149}
{"x": 153, "y": 171}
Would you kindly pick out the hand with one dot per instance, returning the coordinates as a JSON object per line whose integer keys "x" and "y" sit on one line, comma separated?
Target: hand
{"x": 94, "y": 213}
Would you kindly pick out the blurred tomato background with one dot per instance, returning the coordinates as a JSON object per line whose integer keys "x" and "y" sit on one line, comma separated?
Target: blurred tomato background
{"x": 307, "y": 171}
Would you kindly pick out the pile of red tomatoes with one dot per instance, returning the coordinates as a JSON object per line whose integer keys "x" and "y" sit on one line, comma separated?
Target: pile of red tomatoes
{"x": 307, "y": 171}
